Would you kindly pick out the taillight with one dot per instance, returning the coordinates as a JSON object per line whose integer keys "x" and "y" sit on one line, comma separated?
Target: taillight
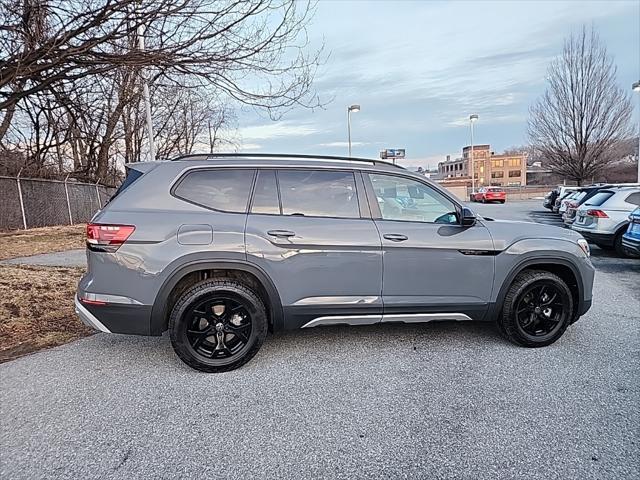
{"x": 107, "y": 238}
{"x": 597, "y": 214}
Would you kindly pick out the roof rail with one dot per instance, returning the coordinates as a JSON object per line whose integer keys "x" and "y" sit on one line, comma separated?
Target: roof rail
{"x": 211, "y": 156}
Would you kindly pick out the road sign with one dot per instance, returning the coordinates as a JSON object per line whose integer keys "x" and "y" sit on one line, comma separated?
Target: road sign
{"x": 394, "y": 153}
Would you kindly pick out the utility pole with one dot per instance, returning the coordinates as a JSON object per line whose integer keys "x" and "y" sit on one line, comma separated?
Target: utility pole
{"x": 147, "y": 98}
{"x": 472, "y": 168}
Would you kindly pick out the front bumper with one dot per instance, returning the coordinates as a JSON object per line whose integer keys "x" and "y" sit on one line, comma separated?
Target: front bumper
{"x": 631, "y": 244}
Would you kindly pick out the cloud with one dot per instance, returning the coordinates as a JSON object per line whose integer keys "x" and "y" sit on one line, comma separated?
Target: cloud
{"x": 250, "y": 146}
{"x": 278, "y": 129}
{"x": 342, "y": 144}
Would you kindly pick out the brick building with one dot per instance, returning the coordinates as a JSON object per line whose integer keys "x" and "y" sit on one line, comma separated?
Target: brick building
{"x": 490, "y": 169}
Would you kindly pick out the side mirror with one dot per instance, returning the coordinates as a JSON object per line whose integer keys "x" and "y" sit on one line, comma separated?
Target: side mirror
{"x": 468, "y": 218}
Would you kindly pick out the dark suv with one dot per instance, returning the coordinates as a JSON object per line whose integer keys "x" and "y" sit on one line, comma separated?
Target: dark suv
{"x": 219, "y": 249}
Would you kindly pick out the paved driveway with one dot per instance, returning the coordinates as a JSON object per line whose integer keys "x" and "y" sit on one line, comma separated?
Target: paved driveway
{"x": 439, "y": 400}
{"x": 449, "y": 400}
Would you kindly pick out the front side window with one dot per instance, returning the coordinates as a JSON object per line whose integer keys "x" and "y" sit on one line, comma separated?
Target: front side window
{"x": 223, "y": 189}
{"x": 409, "y": 200}
{"x": 318, "y": 193}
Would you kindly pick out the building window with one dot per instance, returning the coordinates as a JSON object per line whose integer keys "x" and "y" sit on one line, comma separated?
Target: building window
{"x": 497, "y": 163}
{"x": 499, "y": 174}
{"x": 514, "y": 162}
{"x": 514, "y": 173}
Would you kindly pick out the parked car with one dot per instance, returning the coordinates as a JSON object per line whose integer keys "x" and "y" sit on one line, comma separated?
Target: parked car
{"x": 219, "y": 249}
{"x": 562, "y": 194}
{"x": 631, "y": 238}
{"x": 603, "y": 219}
{"x": 550, "y": 199}
{"x": 566, "y": 200}
{"x": 582, "y": 196}
{"x": 489, "y": 194}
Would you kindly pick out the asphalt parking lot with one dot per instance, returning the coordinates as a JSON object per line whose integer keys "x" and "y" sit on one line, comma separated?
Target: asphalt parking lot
{"x": 437, "y": 400}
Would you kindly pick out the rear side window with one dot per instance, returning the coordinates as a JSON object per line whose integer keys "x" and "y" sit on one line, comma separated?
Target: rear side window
{"x": 132, "y": 176}
{"x": 318, "y": 193}
{"x": 599, "y": 198}
{"x": 222, "y": 189}
{"x": 634, "y": 198}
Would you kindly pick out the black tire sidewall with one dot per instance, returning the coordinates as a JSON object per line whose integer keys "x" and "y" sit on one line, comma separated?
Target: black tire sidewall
{"x": 509, "y": 323}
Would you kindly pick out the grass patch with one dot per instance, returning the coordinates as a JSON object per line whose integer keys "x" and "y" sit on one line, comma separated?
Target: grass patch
{"x": 36, "y": 309}
{"x": 22, "y": 243}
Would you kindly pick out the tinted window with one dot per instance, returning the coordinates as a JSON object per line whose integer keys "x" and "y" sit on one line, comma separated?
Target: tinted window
{"x": 634, "y": 198}
{"x": 599, "y": 198}
{"x": 405, "y": 199}
{"x": 265, "y": 194}
{"x": 318, "y": 193}
{"x": 221, "y": 189}
{"x": 132, "y": 176}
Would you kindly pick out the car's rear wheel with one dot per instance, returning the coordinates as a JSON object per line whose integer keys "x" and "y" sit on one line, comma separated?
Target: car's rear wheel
{"x": 537, "y": 310}
{"x": 217, "y": 325}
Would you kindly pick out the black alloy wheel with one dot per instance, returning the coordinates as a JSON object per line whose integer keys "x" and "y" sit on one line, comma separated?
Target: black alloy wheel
{"x": 218, "y": 325}
{"x": 537, "y": 309}
{"x": 541, "y": 308}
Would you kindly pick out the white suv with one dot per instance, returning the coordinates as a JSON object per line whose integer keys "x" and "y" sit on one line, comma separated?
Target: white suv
{"x": 603, "y": 219}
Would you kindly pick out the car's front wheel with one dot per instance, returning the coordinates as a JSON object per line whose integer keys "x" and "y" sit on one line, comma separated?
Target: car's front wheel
{"x": 217, "y": 325}
{"x": 537, "y": 310}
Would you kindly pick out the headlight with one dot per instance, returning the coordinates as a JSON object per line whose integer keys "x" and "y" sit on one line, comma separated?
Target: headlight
{"x": 584, "y": 246}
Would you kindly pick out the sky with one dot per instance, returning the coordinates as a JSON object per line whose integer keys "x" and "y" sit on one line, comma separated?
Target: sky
{"x": 419, "y": 68}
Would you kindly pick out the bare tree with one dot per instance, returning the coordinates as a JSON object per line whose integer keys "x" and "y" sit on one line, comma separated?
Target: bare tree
{"x": 78, "y": 62}
{"x": 583, "y": 113}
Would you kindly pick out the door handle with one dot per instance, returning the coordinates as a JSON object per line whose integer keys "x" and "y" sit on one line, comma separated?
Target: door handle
{"x": 281, "y": 233}
{"x": 395, "y": 237}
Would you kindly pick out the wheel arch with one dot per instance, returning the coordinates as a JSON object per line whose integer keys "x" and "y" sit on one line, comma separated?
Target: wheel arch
{"x": 564, "y": 268}
{"x": 192, "y": 272}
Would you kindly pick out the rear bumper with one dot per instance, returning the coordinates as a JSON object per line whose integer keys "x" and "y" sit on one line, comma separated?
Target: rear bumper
{"x": 598, "y": 238}
{"x": 127, "y": 318}
{"x": 631, "y": 244}
{"x": 87, "y": 317}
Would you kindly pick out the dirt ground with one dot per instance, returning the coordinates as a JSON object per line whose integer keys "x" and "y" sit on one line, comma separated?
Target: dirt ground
{"x": 22, "y": 243}
{"x": 36, "y": 309}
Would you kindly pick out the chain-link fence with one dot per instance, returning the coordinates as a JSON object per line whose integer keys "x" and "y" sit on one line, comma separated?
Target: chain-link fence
{"x": 34, "y": 202}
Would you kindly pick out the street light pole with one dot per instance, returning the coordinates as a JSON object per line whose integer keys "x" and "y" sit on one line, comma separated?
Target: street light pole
{"x": 636, "y": 88}
{"x": 352, "y": 108}
{"x": 147, "y": 99}
{"x": 472, "y": 119}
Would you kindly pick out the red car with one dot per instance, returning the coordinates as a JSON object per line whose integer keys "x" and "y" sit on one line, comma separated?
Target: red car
{"x": 489, "y": 194}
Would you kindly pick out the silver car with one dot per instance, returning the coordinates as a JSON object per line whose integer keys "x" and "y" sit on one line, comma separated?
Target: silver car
{"x": 220, "y": 249}
{"x": 603, "y": 219}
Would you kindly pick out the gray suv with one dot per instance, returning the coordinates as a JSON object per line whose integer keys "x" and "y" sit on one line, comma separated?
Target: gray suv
{"x": 220, "y": 249}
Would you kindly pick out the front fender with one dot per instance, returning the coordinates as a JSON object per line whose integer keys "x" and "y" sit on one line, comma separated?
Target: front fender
{"x": 543, "y": 251}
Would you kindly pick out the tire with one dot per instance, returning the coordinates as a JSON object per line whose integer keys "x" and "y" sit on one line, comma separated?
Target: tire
{"x": 483, "y": 200}
{"x": 221, "y": 311}
{"x": 516, "y": 309}
{"x": 617, "y": 244}
{"x": 502, "y": 201}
